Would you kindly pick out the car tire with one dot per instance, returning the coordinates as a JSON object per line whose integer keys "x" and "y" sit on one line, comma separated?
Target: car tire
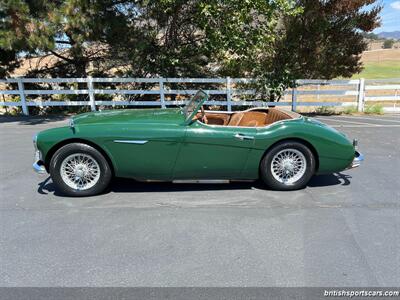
{"x": 79, "y": 170}
{"x": 287, "y": 166}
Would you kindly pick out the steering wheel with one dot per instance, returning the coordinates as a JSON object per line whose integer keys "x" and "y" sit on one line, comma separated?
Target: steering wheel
{"x": 203, "y": 115}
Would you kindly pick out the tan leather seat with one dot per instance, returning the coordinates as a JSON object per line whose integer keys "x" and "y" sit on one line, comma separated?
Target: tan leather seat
{"x": 217, "y": 119}
{"x": 235, "y": 119}
{"x": 275, "y": 115}
{"x": 248, "y": 118}
{"x": 253, "y": 119}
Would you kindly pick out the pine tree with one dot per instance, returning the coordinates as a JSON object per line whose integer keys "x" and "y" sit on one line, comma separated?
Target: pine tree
{"x": 141, "y": 38}
{"x": 326, "y": 40}
{"x": 77, "y": 32}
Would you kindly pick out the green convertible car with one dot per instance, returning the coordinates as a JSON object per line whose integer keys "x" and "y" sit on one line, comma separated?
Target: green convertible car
{"x": 282, "y": 148}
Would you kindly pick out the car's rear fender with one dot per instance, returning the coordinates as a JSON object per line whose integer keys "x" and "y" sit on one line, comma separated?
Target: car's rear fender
{"x": 333, "y": 151}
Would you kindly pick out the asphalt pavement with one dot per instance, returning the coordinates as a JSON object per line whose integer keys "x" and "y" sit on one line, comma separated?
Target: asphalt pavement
{"x": 342, "y": 230}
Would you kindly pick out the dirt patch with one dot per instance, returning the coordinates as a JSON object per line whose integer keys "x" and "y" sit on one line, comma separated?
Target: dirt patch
{"x": 381, "y": 55}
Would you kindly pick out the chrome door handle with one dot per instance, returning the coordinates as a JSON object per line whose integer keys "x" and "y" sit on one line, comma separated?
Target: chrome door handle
{"x": 243, "y": 137}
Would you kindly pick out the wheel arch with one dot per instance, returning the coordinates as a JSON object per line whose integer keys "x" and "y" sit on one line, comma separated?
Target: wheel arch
{"x": 299, "y": 140}
{"x": 57, "y": 146}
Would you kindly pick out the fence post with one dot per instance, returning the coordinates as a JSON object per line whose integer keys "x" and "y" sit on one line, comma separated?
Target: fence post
{"x": 228, "y": 94}
{"x": 21, "y": 89}
{"x": 91, "y": 93}
{"x": 294, "y": 97}
{"x": 361, "y": 95}
{"x": 162, "y": 95}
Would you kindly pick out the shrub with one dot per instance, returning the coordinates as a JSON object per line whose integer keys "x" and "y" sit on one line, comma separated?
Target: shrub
{"x": 350, "y": 110}
{"x": 325, "y": 111}
{"x": 388, "y": 44}
{"x": 374, "y": 109}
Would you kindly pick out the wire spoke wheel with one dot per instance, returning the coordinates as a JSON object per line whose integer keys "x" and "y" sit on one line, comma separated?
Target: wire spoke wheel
{"x": 288, "y": 166}
{"x": 80, "y": 171}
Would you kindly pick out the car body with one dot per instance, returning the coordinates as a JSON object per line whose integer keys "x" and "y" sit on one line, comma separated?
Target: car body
{"x": 177, "y": 144}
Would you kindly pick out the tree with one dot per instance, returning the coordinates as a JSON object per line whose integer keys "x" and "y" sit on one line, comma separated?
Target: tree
{"x": 323, "y": 42}
{"x": 388, "y": 44}
{"x": 277, "y": 41}
{"x": 8, "y": 56}
{"x": 76, "y": 32}
{"x": 201, "y": 38}
{"x": 143, "y": 37}
{"x": 8, "y": 62}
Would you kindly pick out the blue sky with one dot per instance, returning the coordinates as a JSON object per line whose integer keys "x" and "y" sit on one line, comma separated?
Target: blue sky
{"x": 390, "y": 16}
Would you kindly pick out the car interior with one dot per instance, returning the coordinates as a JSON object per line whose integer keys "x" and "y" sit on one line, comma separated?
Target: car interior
{"x": 257, "y": 117}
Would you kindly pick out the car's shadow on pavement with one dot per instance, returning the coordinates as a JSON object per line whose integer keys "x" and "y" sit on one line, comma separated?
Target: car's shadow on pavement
{"x": 123, "y": 185}
{"x": 329, "y": 179}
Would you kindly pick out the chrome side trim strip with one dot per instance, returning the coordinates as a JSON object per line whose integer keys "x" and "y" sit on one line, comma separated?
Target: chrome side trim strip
{"x": 201, "y": 181}
{"x": 138, "y": 142}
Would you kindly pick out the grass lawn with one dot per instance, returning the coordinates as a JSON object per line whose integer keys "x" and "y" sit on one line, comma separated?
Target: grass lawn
{"x": 383, "y": 69}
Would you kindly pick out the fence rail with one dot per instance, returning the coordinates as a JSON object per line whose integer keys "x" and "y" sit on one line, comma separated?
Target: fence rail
{"x": 362, "y": 90}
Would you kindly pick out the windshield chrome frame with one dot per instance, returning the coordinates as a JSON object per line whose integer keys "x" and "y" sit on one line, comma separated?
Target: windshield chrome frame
{"x": 189, "y": 117}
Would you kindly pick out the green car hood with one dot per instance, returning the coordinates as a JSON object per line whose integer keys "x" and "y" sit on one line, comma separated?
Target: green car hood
{"x": 127, "y": 116}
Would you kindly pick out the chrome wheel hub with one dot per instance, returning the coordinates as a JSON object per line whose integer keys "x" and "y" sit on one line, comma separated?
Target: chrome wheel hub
{"x": 288, "y": 166}
{"x": 80, "y": 171}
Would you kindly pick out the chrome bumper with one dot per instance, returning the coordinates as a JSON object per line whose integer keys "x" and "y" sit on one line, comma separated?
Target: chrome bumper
{"x": 358, "y": 158}
{"x": 38, "y": 167}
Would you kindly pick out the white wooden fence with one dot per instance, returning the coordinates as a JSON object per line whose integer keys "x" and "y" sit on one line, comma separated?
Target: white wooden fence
{"x": 308, "y": 92}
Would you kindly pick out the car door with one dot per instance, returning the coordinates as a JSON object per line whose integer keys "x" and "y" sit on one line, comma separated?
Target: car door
{"x": 213, "y": 152}
{"x": 145, "y": 152}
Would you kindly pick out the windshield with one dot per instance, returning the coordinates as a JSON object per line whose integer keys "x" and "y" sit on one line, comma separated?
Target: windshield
{"x": 194, "y": 105}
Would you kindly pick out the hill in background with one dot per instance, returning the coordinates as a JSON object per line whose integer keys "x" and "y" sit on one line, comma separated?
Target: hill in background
{"x": 380, "y": 63}
{"x": 389, "y": 35}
